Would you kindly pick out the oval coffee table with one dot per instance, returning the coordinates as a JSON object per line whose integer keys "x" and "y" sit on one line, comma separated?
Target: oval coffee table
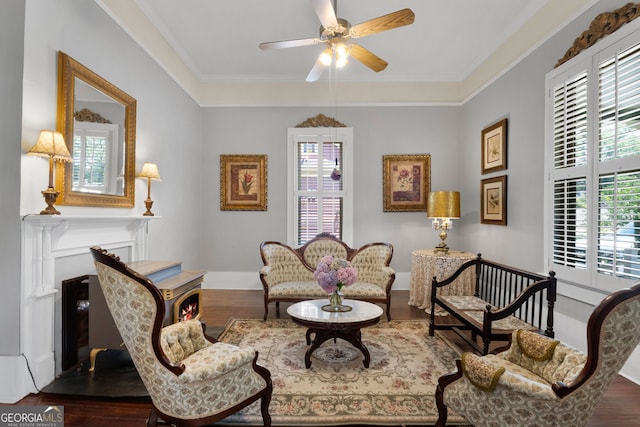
{"x": 330, "y": 325}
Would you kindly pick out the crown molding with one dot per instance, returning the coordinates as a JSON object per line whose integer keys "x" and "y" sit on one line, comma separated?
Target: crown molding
{"x": 553, "y": 16}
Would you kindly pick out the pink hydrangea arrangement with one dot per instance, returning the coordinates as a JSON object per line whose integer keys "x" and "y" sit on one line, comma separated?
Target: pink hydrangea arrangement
{"x": 334, "y": 273}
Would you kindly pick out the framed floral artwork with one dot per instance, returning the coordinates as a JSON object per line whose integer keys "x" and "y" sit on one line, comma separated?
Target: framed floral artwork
{"x": 243, "y": 182}
{"x": 494, "y": 147}
{"x": 406, "y": 182}
{"x": 493, "y": 200}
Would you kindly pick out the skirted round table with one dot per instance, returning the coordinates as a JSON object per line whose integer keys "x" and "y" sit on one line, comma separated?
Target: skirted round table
{"x": 427, "y": 263}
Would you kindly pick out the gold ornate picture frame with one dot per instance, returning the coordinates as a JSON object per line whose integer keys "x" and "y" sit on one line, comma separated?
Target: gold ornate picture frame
{"x": 243, "y": 182}
{"x": 493, "y": 200}
{"x": 406, "y": 182}
{"x": 494, "y": 147}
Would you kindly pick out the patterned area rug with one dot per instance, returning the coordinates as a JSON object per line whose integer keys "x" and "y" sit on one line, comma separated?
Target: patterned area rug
{"x": 398, "y": 388}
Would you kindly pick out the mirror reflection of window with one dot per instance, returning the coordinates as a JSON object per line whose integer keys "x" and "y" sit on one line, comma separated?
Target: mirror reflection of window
{"x": 98, "y": 142}
{"x": 95, "y": 158}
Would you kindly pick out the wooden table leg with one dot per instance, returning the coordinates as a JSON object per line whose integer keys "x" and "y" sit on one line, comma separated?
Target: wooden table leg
{"x": 352, "y": 336}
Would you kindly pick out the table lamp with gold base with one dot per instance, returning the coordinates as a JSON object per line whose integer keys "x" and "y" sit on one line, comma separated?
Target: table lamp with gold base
{"x": 51, "y": 144}
{"x": 442, "y": 207}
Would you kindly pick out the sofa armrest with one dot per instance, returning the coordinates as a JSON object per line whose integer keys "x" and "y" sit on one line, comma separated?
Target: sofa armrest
{"x": 492, "y": 374}
{"x": 526, "y": 386}
{"x": 387, "y": 272}
{"x": 550, "y": 359}
{"x": 388, "y": 275}
{"x": 215, "y": 361}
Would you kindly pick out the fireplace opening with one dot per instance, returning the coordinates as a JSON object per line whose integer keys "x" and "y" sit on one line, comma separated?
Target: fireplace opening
{"x": 75, "y": 321}
{"x": 88, "y": 327}
{"x": 188, "y": 306}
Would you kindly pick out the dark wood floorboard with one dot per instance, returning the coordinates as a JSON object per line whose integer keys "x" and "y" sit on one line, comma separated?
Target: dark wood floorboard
{"x": 620, "y": 406}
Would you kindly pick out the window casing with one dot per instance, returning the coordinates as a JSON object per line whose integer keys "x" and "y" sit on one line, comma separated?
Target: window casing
{"x": 593, "y": 164}
{"x": 320, "y": 183}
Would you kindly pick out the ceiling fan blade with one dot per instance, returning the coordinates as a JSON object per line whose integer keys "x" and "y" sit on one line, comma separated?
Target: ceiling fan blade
{"x": 318, "y": 67}
{"x": 289, "y": 43}
{"x": 326, "y": 13}
{"x": 372, "y": 61}
{"x": 393, "y": 20}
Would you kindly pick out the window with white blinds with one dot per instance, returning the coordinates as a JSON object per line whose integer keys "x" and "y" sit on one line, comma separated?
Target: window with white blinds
{"x": 320, "y": 182}
{"x": 594, "y": 166}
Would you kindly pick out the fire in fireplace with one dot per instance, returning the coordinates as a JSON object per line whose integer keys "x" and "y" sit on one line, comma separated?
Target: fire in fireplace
{"x": 188, "y": 306}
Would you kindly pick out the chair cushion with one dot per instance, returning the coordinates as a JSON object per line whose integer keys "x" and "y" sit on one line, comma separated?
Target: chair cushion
{"x": 313, "y": 290}
{"x": 464, "y": 302}
{"x": 506, "y": 325}
{"x": 215, "y": 361}
{"x": 182, "y": 339}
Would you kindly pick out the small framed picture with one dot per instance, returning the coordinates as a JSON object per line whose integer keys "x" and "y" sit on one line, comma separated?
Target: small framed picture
{"x": 493, "y": 200}
{"x": 406, "y": 182}
{"x": 494, "y": 147}
{"x": 243, "y": 182}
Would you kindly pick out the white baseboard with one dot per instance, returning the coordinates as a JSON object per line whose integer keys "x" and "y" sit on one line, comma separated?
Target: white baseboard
{"x": 251, "y": 280}
{"x": 15, "y": 379}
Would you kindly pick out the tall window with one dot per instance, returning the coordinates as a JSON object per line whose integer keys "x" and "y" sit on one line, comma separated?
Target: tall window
{"x": 594, "y": 166}
{"x": 320, "y": 183}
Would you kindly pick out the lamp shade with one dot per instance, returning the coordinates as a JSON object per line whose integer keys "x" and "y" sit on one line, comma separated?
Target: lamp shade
{"x": 443, "y": 204}
{"x": 51, "y": 144}
{"x": 150, "y": 170}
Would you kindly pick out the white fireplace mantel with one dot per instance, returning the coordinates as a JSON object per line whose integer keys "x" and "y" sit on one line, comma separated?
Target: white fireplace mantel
{"x": 48, "y": 241}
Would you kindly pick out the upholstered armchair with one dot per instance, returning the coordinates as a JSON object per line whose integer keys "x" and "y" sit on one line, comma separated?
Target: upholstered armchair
{"x": 541, "y": 381}
{"x": 192, "y": 379}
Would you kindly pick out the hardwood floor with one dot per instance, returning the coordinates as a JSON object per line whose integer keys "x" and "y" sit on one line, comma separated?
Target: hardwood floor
{"x": 618, "y": 407}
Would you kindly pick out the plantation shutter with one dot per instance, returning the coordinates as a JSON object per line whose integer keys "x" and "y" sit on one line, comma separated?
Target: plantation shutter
{"x": 319, "y": 189}
{"x": 569, "y": 172}
{"x": 594, "y": 186}
{"x": 618, "y": 231}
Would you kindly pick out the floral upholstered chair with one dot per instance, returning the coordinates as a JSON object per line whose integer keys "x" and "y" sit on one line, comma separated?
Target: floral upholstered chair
{"x": 192, "y": 379}
{"x": 539, "y": 381}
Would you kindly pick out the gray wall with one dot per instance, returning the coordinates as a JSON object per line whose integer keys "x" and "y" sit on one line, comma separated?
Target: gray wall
{"x": 450, "y": 134}
{"x": 186, "y": 141}
{"x": 519, "y": 94}
{"x": 11, "y": 51}
{"x": 230, "y": 239}
{"x": 168, "y": 120}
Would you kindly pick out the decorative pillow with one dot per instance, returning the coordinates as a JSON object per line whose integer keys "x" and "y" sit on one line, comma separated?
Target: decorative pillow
{"x": 536, "y": 346}
{"x": 480, "y": 373}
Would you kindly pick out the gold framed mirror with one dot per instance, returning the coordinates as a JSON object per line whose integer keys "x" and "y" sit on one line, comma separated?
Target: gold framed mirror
{"x": 98, "y": 122}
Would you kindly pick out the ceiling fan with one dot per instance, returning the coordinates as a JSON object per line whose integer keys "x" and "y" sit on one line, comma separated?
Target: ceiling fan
{"x": 337, "y": 34}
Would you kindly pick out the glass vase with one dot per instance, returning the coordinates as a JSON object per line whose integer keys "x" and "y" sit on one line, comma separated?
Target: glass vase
{"x": 335, "y": 303}
{"x": 335, "y": 300}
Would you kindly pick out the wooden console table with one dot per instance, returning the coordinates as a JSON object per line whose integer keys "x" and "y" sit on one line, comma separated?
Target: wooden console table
{"x": 426, "y": 264}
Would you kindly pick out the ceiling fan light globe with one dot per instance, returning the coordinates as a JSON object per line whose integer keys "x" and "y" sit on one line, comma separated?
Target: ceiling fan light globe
{"x": 342, "y": 51}
{"x": 341, "y": 62}
{"x": 325, "y": 58}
